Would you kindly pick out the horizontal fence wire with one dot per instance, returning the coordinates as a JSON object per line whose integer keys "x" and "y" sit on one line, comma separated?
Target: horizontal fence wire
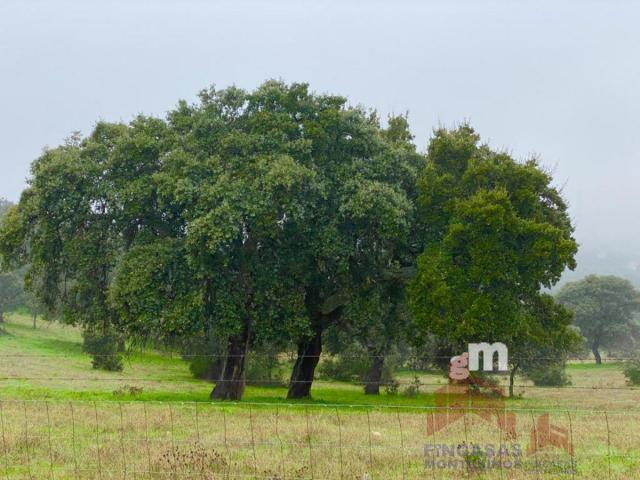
{"x": 179, "y": 440}
{"x": 288, "y": 355}
{"x": 275, "y": 382}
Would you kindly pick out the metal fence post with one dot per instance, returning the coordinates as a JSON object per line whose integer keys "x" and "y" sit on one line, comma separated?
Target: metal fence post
{"x": 253, "y": 445}
{"x": 95, "y": 410}
{"x": 4, "y": 442}
{"x": 173, "y": 444}
{"x": 606, "y": 418}
{"x": 122, "y": 446}
{"x": 73, "y": 441}
{"x": 573, "y": 459}
{"x": 535, "y": 439}
{"x": 306, "y": 409}
{"x": 197, "y": 423}
{"x": 49, "y": 439}
{"x": 226, "y": 444}
{"x": 146, "y": 437}
{"x": 282, "y": 467}
{"x": 404, "y": 472}
{"x": 26, "y": 438}
{"x": 370, "y": 447}
{"x": 340, "y": 443}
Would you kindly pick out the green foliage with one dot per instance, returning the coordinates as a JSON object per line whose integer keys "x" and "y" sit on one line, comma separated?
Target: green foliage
{"x": 413, "y": 389}
{"x": 496, "y": 232}
{"x": 632, "y": 371}
{"x": 605, "y": 308}
{"x": 264, "y": 368}
{"x": 351, "y": 367}
{"x": 553, "y": 375}
{"x": 205, "y": 368}
{"x": 62, "y": 230}
{"x": 105, "y": 348}
{"x": 541, "y": 348}
{"x": 11, "y": 283}
{"x": 392, "y": 387}
{"x": 266, "y": 218}
{"x": 252, "y": 216}
{"x": 128, "y": 390}
{"x": 11, "y": 292}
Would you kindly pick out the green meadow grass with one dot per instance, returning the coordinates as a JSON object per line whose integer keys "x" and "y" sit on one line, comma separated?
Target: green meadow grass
{"x": 63, "y": 419}
{"x": 48, "y": 362}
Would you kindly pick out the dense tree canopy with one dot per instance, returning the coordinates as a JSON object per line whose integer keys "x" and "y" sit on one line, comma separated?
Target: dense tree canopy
{"x": 265, "y": 218}
{"x": 284, "y": 202}
{"x": 496, "y": 232}
{"x": 11, "y": 292}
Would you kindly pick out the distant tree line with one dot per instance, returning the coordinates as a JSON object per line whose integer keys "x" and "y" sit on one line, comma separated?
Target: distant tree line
{"x": 257, "y": 221}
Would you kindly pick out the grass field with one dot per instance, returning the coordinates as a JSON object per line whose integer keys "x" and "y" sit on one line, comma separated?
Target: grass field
{"x": 62, "y": 419}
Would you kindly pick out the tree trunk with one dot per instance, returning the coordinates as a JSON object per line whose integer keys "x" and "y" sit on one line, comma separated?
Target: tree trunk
{"x": 34, "y": 320}
{"x": 512, "y": 377}
{"x": 595, "y": 348}
{"x": 230, "y": 385}
{"x": 372, "y": 387}
{"x": 1, "y": 316}
{"x": 309, "y": 351}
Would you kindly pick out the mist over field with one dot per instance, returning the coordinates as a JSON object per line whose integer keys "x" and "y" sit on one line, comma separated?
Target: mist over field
{"x": 607, "y": 259}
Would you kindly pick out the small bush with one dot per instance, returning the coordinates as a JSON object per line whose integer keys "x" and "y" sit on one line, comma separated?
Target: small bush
{"x": 129, "y": 390}
{"x": 105, "y": 348}
{"x": 353, "y": 368}
{"x": 205, "y": 367}
{"x": 193, "y": 458}
{"x": 205, "y": 356}
{"x": 632, "y": 372}
{"x": 264, "y": 368}
{"x": 413, "y": 389}
{"x": 343, "y": 368}
{"x": 392, "y": 387}
{"x": 549, "y": 376}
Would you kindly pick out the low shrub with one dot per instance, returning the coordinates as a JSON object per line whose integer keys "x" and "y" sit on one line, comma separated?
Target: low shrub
{"x": 206, "y": 368}
{"x": 391, "y": 387}
{"x": 353, "y": 368}
{"x": 632, "y": 371}
{"x": 549, "y": 376}
{"x": 413, "y": 389}
{"x": 128, "y": 390}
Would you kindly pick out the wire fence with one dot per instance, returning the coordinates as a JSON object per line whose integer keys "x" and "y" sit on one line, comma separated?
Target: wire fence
{"x": 193, "y": 440}
{"x": 294, "y": 356}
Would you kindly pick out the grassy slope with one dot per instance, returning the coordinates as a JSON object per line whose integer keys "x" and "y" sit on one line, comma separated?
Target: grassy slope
{"x": 52, "y": 360}
{"x": 51, "y": 356}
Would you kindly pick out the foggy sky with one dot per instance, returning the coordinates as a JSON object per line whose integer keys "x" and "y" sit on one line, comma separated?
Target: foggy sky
{"x": 556, "y": 79}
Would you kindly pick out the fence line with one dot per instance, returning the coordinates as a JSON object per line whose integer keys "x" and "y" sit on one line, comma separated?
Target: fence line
{"x": 227, "y": 404}
{"x": 289, "y": 355}
{"x": 272, "y": 382}
{"x": 179, "y": 440}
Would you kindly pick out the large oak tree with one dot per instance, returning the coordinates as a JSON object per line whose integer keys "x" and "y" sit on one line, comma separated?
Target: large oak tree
{"x": 496, "y": 233}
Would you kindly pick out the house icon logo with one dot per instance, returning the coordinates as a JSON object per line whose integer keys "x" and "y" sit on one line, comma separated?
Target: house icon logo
{"x": 475, "y": 396}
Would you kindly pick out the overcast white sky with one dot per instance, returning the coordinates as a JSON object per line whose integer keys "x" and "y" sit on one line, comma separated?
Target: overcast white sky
{"x": 560, "y": 78}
